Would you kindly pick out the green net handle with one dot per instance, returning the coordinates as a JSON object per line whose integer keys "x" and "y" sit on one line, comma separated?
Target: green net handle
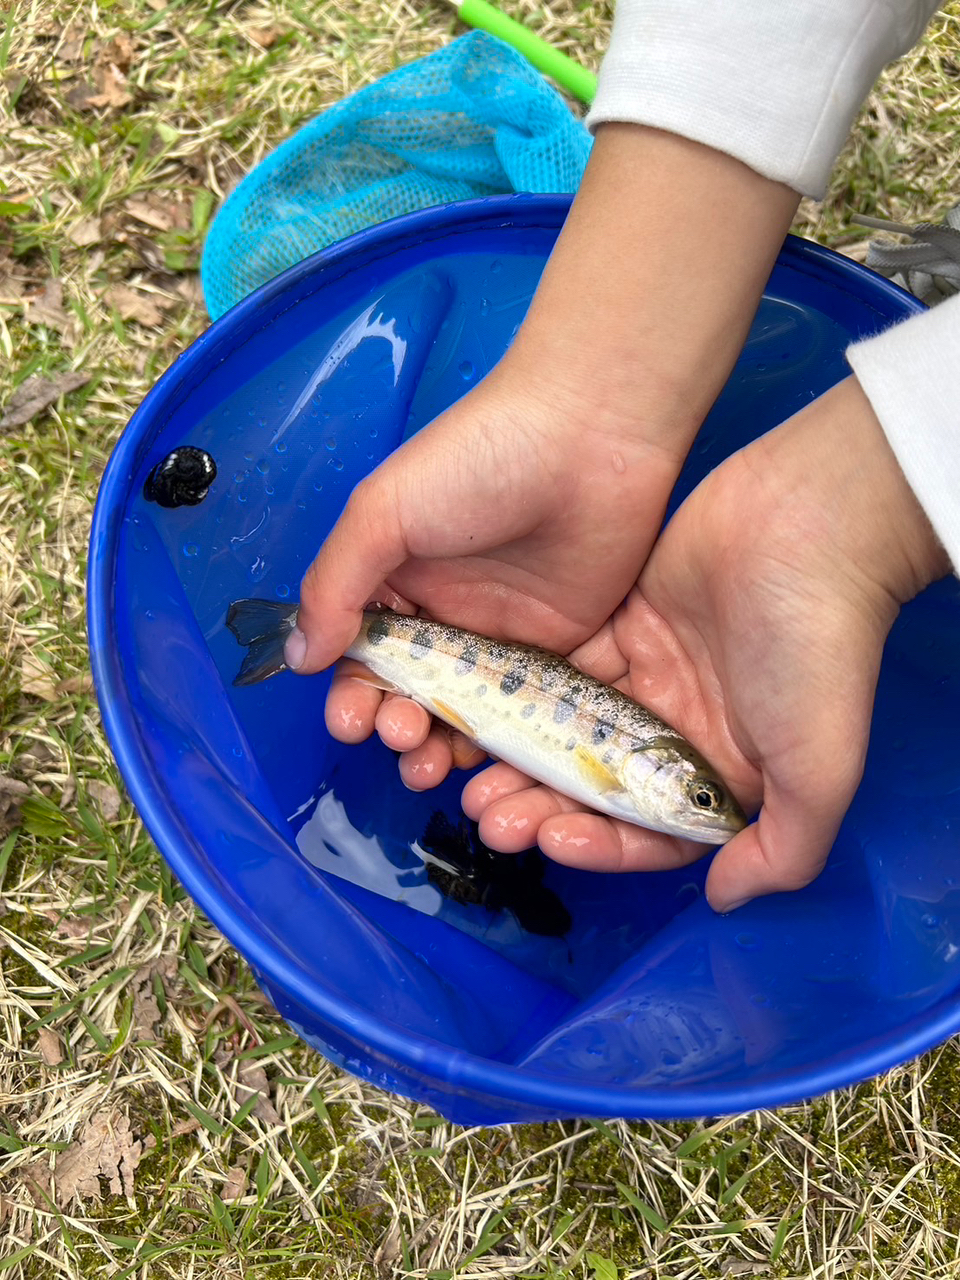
{"x": 577, "y": 80}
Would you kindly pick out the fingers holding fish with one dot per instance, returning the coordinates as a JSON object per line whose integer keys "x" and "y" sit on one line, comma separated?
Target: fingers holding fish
{"x": 513, "y": 823}
{"x": 496, "y": 783}
{"x": 594, "y": 843}
{"x": 426, "y": 766}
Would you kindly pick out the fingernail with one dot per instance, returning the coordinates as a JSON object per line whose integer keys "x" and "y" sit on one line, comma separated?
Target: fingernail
{"x": 295, "y": 649}
{"x": 732, "y": 906}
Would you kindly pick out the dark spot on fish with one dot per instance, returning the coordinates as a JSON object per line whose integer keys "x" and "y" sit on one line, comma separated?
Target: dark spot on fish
{"x": 514, "y": 679}
{"x": 420, "y": 644}
{"x": 607, "y": 757}
{"x": 601, "y": 731}
{"x": 378, "y": 630}
{"x": 528, "y": 710}
{"x": 182, "y": 479}
{"x": 480, "y": 690}
{"x": 571, "y": 743}
{"x": 574, "y": 690}
{"x": 563, "y": 711}
{"x": 467, "y": 660}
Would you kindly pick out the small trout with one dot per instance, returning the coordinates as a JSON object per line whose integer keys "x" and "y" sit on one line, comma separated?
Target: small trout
{"x": 529, "y": 708}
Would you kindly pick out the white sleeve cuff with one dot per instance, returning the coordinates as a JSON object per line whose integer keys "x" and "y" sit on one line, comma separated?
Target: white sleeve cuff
{"x": 911, "y": 376}
{"x": 775, "y": 83}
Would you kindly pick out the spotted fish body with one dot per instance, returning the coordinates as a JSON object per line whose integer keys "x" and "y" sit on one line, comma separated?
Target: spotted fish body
{"x": 535, "y": 711}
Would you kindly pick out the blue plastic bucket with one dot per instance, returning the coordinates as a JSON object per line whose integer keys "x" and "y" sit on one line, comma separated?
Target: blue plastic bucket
{"x": 307, "y": 854}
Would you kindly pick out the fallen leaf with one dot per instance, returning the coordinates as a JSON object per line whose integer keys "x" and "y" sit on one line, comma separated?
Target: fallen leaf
{"x": 47, "y": 308}
{"x": 251, "y": 1079}
{"x": 151, "y": 215}
{"x": 107, "y": 797}
{"x": 106, "y": 1149}
{"x": 69, "y": 792}
{"x": 265, "y": 37}
{"x": 82, "y": 683}
{"x": 191, "y": 290}
{"x": 85, "y": 232}
{"x": 146, "y": 309}
{"x": 51, "y": 1050}
{"x": 235, "y": 1185}
{"x": 36, "y": 678}
{"x": 12, "y": 791}
{"x": 119, "y": 52}
{"x": 36, "y": 1176}
{"x": 36, "y": 394}
{"x": 70, "y": 48}
{"x": 72, "y": 927}
{"x": 79, "y": 95}
{"x": 112, "y": 88}
{"x": 146, "y": 1009}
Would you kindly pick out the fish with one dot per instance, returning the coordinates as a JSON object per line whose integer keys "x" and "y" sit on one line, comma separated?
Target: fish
{"x": 465, "y": 870}
{"x": 528, "y": 707}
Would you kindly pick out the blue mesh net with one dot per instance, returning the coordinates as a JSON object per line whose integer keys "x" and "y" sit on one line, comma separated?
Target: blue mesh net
{"x": 473, "y": 119}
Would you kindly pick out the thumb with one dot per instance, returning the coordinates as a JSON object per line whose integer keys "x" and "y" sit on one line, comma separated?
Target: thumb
{"x": 364, "y": 547}
{"x": 786, "y": 848}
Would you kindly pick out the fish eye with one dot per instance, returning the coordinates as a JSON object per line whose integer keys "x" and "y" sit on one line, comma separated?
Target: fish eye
{"x": 706, "y": 795}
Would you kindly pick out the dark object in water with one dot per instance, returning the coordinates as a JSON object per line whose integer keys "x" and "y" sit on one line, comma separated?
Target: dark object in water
{"x": 263, "y": 626}
{"x": 464, "y": 869}
{"x": 182, "y": 479}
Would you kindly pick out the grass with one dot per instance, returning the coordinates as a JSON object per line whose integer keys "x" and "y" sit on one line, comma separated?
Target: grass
{"x": 138, "y": 1058}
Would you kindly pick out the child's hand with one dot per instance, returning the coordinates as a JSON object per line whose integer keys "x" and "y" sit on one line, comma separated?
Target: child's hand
{"x": 757, "y": 629}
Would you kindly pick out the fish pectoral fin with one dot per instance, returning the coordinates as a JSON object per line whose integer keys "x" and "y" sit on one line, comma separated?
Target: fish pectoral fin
{"x": 600, "y": 776}
{"x": 453, "y": 718}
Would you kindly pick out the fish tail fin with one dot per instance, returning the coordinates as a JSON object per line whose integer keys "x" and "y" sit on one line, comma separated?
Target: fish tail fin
{"x": 262, "y": 626}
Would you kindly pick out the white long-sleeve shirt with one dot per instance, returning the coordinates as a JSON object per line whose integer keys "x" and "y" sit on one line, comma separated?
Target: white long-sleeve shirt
{"x": 777, "y": 84}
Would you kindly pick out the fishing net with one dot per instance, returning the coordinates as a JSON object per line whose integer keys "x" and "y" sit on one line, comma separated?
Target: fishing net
{"x": 473, "y": 119}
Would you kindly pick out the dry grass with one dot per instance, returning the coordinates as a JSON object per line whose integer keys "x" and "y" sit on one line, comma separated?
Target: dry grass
{"x": 157, "y": 1120}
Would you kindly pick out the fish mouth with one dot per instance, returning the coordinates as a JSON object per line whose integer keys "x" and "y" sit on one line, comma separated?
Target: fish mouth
{"x": 706, "y": 830}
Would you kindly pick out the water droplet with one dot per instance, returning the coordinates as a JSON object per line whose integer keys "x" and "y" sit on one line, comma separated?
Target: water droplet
{"x": 466, "y": 370}
{"x": 337, "y": 464}
{"x": 495, "y": 266}
{"x": 318, "y": 486}
{"x": 331, "y": 443}
{"x": 149, "y": 615}
{"x": 760, "y": 1000}
{"x": 281, "y": 446}
{"x": 281, "y": 386}
{"x": 484, "y": 306}
{"x": 263, "y": 466}
{"x": 748, "y": 941}
{"x": 373, "y": 433}
{"x": 238, "y": 752}
{"x": 268, "y": 490}
{"x": 191, "y": 549}
{"x": 930, "y": 921}
{"x": 301, "y": 505}
{"x": 241, "y": 496}
{"x": 248, "y": 457}
{"x": 283, "y": 590}
{"x": 239, "y": 477}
